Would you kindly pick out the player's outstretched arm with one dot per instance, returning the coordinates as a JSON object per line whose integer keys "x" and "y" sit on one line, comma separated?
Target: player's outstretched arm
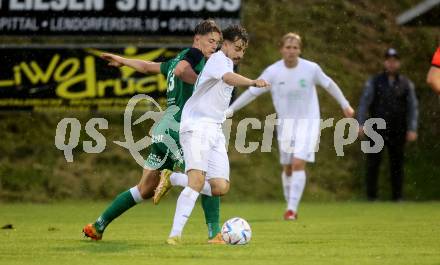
{"x": 234, "y": 79}
{"x": 433, "y": 79}
{"x": 348, "y": 112}
{"x": 334, "y": 90}
{"x": 247, "y": 97}
{"x": 185, "y": 72}
{"x": 244, "y": 99}
{"x": 139, "y": 65}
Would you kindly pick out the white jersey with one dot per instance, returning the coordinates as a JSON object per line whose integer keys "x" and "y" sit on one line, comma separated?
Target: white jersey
{"x": 295, "y": 97}
{"x": 211, "y": 95}
{"x": 294, "y": 89}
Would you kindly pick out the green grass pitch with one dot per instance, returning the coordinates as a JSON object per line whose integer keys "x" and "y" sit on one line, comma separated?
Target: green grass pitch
{"x": 326, "y": 233}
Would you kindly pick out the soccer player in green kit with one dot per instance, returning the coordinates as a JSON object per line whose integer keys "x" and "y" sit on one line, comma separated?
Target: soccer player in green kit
{"x": 181, "y": 73}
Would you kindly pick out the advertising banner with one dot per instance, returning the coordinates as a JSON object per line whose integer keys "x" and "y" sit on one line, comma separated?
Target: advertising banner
{"x": 75, "y": 78}
{"x": 118, "y": 17}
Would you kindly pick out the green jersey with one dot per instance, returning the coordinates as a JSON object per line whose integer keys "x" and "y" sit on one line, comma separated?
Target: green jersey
{"x": 178, "y": 92}
{"x": 165, "y": 150}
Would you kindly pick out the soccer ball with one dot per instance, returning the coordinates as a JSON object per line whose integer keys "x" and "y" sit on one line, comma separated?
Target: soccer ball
{"x": 236, "y": 231}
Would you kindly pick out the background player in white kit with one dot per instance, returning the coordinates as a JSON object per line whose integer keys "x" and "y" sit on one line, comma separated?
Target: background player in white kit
{"x": 201, "y": 134}
{"x": 294, "y": 96}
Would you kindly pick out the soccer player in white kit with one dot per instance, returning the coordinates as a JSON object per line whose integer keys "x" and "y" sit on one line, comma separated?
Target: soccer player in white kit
{"x": 201, "y": 135}
{"x": 293, "y": 80}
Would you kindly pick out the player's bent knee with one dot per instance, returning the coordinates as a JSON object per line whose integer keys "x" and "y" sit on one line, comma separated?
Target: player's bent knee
{"x": 219, "y": 187}
{"x": 298, "y": 165}
{"x": 196, "y": 179}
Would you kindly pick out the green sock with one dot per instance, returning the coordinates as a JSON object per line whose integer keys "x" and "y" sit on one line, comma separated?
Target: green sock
{"x": 119, "y": 205}
{"x": 211, "y": 207}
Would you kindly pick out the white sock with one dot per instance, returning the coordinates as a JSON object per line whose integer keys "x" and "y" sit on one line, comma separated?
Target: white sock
{"x": 206, "y": 189}
{"x": 179, "y": 179}
{"x": 298, "y": 182}
{"x": 184, "y": 207}
{"x": 136, "y": 194}
{"x": 285, "y": 180}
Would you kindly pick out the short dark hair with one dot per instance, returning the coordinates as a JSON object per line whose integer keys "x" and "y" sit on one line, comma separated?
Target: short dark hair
{"x": 234, "y": 33}
{"x": 207, "y": 26}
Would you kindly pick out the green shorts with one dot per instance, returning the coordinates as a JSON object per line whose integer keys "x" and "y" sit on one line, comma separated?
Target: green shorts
{"x": 165, "y": 150}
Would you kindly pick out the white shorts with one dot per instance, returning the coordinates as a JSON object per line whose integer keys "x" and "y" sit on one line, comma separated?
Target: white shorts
{"x": 298, "y": 139}
{"x": 288, "y": 152}
{"x": 204, "y": 149}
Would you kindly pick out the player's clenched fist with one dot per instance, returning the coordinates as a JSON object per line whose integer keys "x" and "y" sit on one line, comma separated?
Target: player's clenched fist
{"x": 114, "y": 60}
{"x": 261, "y": 83}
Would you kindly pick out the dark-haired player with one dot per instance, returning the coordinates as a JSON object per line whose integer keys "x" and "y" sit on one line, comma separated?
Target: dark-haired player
{"x": 181, "y": 73}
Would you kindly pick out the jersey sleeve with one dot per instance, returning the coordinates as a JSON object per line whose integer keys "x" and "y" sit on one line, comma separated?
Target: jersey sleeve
{"x": 164, "y": 66}
{"x": 217, "y": 66}
{"x": 436, "y": 58}
{"x": 321, "y": 78}
{"x": 193, "y": 57}
{"x": 267, "y": 75}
